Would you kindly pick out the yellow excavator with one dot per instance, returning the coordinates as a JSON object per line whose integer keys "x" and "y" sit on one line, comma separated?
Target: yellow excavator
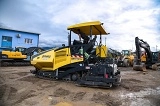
{"x": 18, "y": 57}
{"x": 149, "y": 59}
{"x": 84, "y": 63}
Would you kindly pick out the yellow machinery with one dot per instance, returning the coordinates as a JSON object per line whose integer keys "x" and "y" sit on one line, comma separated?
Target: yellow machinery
{"x": 17, "y": 57}
{"x": 87, "y": 64}
{"x": 17, "y": 54}
{"x": 145, "y": 60}
{"x": 143, "y": 57}
{"x": 101, "y": 51}
{"x": 126, "y": 58}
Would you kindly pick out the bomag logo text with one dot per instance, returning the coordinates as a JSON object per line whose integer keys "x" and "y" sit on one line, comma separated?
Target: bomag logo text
{"x": 46, "y": 56}
{"x": 61, "y": 53}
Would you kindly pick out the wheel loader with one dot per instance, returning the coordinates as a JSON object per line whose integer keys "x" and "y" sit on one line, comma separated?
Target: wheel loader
{"x": 149, "y": 59}
{"x": 84, "y": 63}
{"x": 18, "y": 57}
{"x": 125, "y": 59}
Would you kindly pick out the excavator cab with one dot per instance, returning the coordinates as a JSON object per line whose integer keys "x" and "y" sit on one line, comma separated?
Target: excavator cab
{"x": 125, "y": 52}
{"x": 20, "y": 49}
{"x": 156, "y": 57}
{"x": 84, "y": 63}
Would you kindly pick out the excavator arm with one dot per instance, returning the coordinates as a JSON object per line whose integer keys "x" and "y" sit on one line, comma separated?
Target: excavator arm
{"x": 30, "y": 51}
{"x": 139, "y": 43}
{"x": 142, "y": 44}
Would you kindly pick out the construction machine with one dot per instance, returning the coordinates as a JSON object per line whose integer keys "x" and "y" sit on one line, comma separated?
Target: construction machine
{"x": 113, "y": 53}
{"x": 18, "y": 57}
{"x": 126, "y": 58}
{"x": 83, "y": 63}
{"x": 149, "y": 59}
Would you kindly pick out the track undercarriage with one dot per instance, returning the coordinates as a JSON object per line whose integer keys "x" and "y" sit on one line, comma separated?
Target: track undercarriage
{"x": 10, "y": 62}
{"x": 92, "y": 75}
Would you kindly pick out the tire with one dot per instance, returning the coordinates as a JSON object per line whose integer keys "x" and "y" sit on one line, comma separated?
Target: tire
{"x": 75, "y": 77}
{"x": 126, "y": 63}
{"x": 118, "y": 83}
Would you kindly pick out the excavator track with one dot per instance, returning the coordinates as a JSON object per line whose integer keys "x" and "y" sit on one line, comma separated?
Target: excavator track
{"x": 7, "y": 63}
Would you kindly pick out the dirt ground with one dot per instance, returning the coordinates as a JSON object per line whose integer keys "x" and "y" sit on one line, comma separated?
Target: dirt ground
{"x": 18, "y": 87}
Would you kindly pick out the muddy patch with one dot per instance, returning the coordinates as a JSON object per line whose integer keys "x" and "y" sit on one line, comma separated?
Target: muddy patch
{"x": 154, "y": 99}
{"x": 146, "y": 97}
{"x": 53, "y": 102}
{"x": 47, "y": 84}
{"x": 12, "y": 93}
{"x": 24, "y": 96}
{"x": 60, "y": 92}
{"x": 105, "y": 99}
{"x": 2, "y": 91}
{"x": 133, "y": 88}
{"x": 31, "y": 103}
{"x": 1, "y": 81}
{"x": 132, "y": 85}
{"x": 78, "y": 96}
{"x": 32, "y": 79}
{"x": 21, "y": 73}
{"x": 8, "y": 70}
{"x": 134, "y": 80}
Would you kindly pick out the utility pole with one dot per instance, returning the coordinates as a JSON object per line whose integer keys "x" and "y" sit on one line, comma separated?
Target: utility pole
{"x": 156, "y": 48}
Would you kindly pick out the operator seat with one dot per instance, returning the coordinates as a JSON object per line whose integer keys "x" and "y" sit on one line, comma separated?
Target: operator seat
{"x": 76, "y": 42}
{"x": 76, "y": 46}
{"x": 89, "y": 50}
{"x": 89, "y": 47}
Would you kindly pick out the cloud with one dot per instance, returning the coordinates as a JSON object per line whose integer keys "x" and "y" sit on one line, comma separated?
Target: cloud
{"x": 3, "y": 25}
{"x": 51, "y": 43}
{"x": 123, "y": 19}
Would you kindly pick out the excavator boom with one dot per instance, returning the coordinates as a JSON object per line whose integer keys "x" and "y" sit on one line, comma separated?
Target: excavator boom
{"x": 151, "y": 57}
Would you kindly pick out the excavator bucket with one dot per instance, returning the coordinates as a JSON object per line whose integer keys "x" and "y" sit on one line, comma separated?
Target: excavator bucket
{"x": 156, "y": 66}
{"x": 140, "y": 67}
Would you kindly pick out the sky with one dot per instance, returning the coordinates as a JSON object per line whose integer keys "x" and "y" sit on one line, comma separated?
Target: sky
{"x": 123, "y": 19}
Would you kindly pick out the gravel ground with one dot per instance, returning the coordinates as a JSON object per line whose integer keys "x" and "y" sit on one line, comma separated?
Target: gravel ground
{"x": 18, "y": 87}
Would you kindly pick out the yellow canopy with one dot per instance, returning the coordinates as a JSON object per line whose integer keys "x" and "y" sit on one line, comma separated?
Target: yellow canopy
{"x": 97, "y": 28}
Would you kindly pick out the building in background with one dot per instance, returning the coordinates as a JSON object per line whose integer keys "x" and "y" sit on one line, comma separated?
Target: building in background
{"x": 10, "y": 38}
